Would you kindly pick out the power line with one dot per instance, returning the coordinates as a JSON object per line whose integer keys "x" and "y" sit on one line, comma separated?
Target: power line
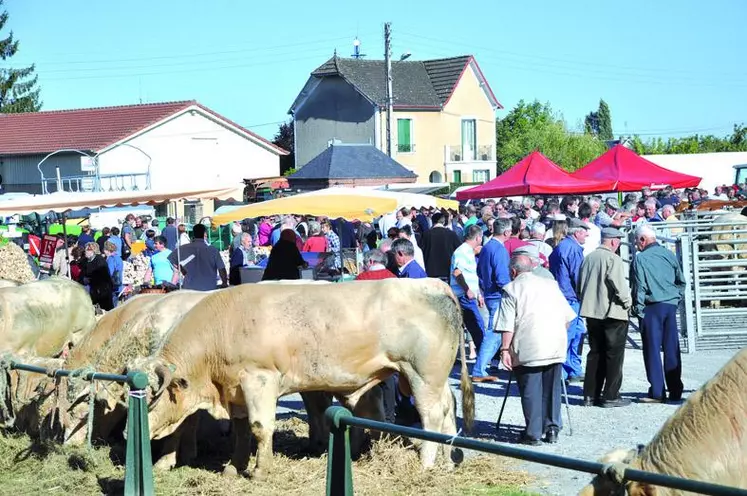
{"x": 183, "y": 71}
{"x": 582, "y": 73}
{"x": 178, "y": 56}
{"x": 572, "y": 61}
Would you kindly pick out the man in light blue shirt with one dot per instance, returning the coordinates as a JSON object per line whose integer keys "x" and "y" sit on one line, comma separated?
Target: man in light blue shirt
{"x": 466, "y": 285}
{"x": 160, "y": 269}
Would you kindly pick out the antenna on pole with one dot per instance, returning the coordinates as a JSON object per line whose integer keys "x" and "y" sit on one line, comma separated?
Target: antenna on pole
{"x": 389, "y": 96}
{"x": 357, "y": 49}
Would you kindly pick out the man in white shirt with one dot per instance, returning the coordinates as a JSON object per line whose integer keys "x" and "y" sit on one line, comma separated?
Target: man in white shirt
{"x": 594, "y": 239}
{"x": 533, "y": 319}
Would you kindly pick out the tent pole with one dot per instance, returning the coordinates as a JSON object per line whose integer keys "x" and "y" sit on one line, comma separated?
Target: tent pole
{"x": 342, "y": 260}
{"x": 67, "y": 250}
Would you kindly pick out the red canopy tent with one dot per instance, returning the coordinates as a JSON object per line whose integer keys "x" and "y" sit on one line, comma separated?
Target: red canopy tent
{"x": 629, "y": 171}
{"x": 535, "y": 174}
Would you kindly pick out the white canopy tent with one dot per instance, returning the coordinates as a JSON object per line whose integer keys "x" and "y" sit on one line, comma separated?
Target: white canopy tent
{"x": 61, "y": 203}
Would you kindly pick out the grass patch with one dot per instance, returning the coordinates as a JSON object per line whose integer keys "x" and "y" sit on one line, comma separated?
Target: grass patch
{"x": 389, "y": 468}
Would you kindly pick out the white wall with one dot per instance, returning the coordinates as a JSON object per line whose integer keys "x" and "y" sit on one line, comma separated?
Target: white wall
{"x": 715, "y": 168}
{"x": 191, "y": 150}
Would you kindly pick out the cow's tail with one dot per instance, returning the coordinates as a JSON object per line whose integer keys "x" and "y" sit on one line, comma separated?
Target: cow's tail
{"x": 468, "y": 392}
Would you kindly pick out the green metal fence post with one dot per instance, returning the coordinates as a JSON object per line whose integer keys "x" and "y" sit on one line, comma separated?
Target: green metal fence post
{"x": 138, "y": 466}
{"x": 339, "y": 464}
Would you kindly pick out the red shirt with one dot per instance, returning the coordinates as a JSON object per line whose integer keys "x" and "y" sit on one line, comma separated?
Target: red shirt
{"x": 513, "y": 243}
{"x": 375, "y": 275}
{"x": 316, "y": 244}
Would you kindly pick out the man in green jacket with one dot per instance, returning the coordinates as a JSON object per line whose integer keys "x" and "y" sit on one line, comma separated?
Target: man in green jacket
{"x": 605, "y": 301}
{"x": 658, "y": 285}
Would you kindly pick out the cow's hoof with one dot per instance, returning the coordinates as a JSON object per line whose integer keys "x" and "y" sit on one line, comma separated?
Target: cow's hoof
{"x": 164, "y": 465}
{"x": 230, "y": 471}
{"x": 259, "y": 474}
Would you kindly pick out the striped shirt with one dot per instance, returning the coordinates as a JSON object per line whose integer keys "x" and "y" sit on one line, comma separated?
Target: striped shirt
{"x": 464, "y": 260}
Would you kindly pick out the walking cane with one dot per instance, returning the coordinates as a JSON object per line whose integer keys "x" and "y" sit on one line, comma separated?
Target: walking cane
{"x": 505, "y": 397}
{"x": 567, "y": 408}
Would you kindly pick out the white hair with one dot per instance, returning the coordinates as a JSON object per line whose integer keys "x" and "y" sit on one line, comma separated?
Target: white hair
{"x": 594, "y": 202}
{"x": 538, "y": 228}
{"x": 667, "y": 208}
{"x": 650, "y": 202}
{"x": 645, "y": 231}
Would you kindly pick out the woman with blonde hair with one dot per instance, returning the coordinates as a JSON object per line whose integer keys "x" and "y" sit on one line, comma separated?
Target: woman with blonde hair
{"x": 559, "y": 232}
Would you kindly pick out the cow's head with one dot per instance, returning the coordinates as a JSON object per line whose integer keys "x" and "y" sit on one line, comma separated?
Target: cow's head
{"x": 611, "y": 483}
{"x": 170, "y": 395}
{"x": 109, "y": 406}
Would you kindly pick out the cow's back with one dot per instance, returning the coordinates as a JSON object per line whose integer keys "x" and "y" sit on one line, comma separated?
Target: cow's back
{"x": 107, "y": 326}
{"x": 41, "y": 317}
{"x": 318, "y": 333}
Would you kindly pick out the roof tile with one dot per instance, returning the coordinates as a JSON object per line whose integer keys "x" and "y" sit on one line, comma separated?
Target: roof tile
{"x": 346, "y": 161}
{"x": 91, "y": 129}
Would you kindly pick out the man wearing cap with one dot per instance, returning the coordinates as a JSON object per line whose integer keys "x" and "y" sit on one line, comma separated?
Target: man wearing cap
{"x": 610, "y": 216}
{"x": 565, "y": 264}
{"x": 605, "y": 301}
{"x": 533, "y": 253}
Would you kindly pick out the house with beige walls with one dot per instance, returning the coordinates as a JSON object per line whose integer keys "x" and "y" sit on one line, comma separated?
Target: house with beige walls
{"x": 443, "y": 123}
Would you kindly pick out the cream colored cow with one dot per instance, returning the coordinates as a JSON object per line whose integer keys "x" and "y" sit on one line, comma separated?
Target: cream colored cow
{"x": 705, "y": 439}
{"x": 238, "y": 350}
{"x": 42, "y": 318}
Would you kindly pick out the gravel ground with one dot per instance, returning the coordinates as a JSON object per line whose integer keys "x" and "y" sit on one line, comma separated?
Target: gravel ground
{"x": 596, "y": 431}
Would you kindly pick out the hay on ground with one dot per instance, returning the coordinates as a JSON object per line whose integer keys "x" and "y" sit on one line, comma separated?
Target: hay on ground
{"x": 389, "y": 468}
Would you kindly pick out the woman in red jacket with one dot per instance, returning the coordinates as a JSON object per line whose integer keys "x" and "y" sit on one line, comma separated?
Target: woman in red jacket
{"x": 316, "y": 242}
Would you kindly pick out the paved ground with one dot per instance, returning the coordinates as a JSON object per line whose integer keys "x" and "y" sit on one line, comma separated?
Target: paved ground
{"x": 596, "y": 431}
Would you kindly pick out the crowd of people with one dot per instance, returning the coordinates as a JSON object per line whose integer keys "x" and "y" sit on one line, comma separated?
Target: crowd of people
{"x": 533, "y": 278}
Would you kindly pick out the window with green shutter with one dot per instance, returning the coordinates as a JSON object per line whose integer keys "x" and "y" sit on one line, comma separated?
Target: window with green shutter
{"x": 404, "y": 136}
{"x": 457, "y": 176}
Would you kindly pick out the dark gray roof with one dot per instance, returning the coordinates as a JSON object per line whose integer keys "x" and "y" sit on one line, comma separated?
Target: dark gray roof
{"x": 345, "y": 161}
{"x": 426, "y": 83}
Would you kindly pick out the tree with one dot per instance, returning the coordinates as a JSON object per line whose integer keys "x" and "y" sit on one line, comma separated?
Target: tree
{"x": 18, "y": 87}
{"x": 735, "y": 142}
{"x": 284, "y": 139}
{"x": 599, "y": 123}
{"x": 535, "y": 126}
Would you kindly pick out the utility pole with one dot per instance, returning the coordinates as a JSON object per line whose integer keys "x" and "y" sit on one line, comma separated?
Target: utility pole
{"x": 389, "y": 95}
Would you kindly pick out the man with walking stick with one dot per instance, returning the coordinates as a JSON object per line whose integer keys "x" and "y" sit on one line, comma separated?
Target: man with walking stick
{"x": 533, "y": 319}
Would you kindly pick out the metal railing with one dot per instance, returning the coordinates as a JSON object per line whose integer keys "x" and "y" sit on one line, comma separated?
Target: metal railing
{"x": 138, "y": 463}
{"x": 340, "y": 472}
{"x": 457, "y": 153}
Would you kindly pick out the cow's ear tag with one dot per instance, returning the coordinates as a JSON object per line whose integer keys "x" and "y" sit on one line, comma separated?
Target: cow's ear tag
{"x": 172, "y": 368}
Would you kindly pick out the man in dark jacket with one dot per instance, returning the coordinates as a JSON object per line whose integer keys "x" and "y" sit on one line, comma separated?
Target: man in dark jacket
{"x": 438, "y": 245}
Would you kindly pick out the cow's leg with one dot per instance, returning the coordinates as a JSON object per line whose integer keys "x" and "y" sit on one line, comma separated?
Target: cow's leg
{"x": 315, "y": 404}
{"x": 261, "y": 395}
{"x": 429, "y": 403}
{"x": 449, "y": 426}
{"x": 169, "y": 448}
{"x": 242, "y": 444}
{"x": 370, "y": 406}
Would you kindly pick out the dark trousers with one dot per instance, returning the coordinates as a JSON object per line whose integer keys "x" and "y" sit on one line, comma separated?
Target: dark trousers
{"x": 659, "y": 332}
{"x": 540, "y": 391}
{"x": 604, "y": 362}
{"x": 389, "y": 394}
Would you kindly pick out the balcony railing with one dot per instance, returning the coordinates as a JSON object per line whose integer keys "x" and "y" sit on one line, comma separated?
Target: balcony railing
{"x": 457, "y": 153}
{"x": 406, "y": 148}
{"x": 93, "y": 183}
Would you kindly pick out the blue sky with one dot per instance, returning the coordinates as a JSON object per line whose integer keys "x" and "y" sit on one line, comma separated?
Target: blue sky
{"x": 665, "y": 67}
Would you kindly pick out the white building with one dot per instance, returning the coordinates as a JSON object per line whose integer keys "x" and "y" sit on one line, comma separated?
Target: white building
{"x": 716, "y": 169}
{"x": 147, "y": 146}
